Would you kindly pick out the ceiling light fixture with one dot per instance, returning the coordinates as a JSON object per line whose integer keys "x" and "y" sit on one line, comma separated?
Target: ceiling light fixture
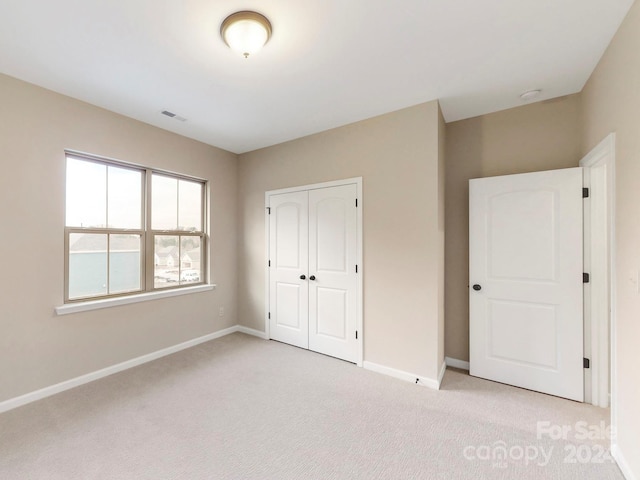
{"x": 246, "y": 32}
{"x": 530, "y": 95}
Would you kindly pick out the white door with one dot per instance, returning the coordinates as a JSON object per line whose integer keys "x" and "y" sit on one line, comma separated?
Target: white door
{"x": 525, "y": 275}
{"x": 313, "y": 281}
{"x": 289, "y": 257}
{"x": 332, "y": 272}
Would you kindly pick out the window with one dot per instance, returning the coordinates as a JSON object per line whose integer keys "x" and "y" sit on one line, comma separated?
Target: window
{"x": 130, "y": 229}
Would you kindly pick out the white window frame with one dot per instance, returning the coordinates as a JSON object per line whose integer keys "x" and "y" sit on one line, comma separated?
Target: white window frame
{"x": 147, "y": 289}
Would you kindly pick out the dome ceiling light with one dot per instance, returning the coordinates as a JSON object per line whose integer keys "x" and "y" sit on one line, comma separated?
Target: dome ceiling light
{"x": 246, "y": 32}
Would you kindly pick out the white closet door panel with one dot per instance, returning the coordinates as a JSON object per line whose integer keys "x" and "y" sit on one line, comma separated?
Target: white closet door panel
{"x": 332, "y": 276}
{"x": 288, "y": 254}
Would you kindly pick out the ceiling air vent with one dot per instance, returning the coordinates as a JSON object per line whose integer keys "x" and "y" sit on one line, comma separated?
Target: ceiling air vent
{"x": 173, "y": 115}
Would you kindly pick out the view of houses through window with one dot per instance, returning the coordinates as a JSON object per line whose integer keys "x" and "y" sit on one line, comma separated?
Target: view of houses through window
{"x": 115, "y": 246}
{"x": 176, "y": 259}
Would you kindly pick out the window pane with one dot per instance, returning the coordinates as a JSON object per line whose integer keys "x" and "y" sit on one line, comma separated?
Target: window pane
{"x": 125, "y": 197}
{"x": 190, "y": 206}
{"x": 124, "y": 263}
{"x": 87, "y": 265}
{"x": 86, "y": 194}
{"x": 164, "y": 203}
{"x": 166, "y": 259}
{"x": 190, "y": 271}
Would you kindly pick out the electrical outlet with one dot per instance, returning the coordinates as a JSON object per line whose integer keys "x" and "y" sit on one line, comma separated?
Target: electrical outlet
{"x": 221, "y": 313}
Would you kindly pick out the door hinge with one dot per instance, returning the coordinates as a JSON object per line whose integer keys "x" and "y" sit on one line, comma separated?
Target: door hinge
{"x": 356, "y": 203}
{"x": 269, "y": 210}
{"x": 269, "y": 262}
{"x": 585, "y": 278}
{"x": 586, "y": 363}
{"x": 356, "y": 334}
{"x": 269, "y": 316}
{"x": 585, "y": 193}
{"x": 356, "y": 268}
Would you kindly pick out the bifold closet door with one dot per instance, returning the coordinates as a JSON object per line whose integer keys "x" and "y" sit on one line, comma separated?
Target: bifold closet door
{"x": 312, "y": 273}
{"x": 289, "y": 263}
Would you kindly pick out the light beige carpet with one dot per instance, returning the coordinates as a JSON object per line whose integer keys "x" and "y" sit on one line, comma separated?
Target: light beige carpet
{"x": 243, "y": 408}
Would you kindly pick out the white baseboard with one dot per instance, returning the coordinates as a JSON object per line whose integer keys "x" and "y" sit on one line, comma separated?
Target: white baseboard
{"x": 90, "y": 377}
{"x": 251, "y": 331}
{"x": 455, "y": 363}
{"x": 622, "y": 463}
{"x": 402, "y": 375}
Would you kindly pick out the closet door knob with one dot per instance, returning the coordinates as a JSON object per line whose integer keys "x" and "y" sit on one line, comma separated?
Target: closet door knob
{"x": 312, "y": 277}
{"x": 477, "y": 287}
{"x": 303, "y": 277}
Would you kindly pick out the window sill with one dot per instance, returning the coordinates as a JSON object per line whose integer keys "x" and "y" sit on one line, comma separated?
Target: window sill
{"x": 142, "y": 297}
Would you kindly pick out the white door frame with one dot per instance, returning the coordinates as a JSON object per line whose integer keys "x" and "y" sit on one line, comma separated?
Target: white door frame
{"x": 599, "y": 262}
{"x": 359, "y": 255}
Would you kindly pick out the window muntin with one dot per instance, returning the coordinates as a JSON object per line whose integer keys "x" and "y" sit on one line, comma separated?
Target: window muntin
{"x": 110, "y": 248}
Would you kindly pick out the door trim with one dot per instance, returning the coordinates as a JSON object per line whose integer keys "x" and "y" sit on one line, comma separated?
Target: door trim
{"x": 359, "y": 255}
{"x": 600, "y": 259}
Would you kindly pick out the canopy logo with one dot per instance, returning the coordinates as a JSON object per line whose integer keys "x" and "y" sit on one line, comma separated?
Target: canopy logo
{"x": 501, "y": 456}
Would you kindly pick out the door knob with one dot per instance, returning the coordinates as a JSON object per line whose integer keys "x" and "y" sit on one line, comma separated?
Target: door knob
{"x": 312, "y": 277}
{"x": 477, "y": 287}
{"x": 303, "y": 277}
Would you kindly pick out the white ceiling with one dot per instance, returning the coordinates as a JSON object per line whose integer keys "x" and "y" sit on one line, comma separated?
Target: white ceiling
{"x": 329, "y": 62}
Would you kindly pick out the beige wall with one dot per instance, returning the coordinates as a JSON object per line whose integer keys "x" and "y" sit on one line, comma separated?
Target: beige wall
{"x": 541, "y": 136}
{"x": 611, "y": 102}
{"x": 38, "y": 348}
{"x": 397, "y": 155}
